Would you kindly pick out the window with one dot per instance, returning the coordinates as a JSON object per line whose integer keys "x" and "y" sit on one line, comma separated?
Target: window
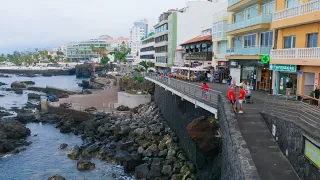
{"x": 217, "y": 30}
{"x": 268, "y": 7}
{"x": 291, "y": 3}
{"x": 237, "y": 42}
{"x": 266, "y": 39}
{"x": 289, "y": 42}
{"x": 251, "y": 12}
{"x": 238, "y": 17}
{"x": 250, "y": 40}
{"x": 312, "y": 40}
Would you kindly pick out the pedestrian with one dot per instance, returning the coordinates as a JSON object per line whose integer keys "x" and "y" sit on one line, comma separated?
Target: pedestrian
{"x": 242, "y": 95}
{"x": 289, "y": 86}
{"x": 232, "y": 98}
{"x": 205, "y": 90}
{"x": 229, "y": 80}
{"x": 317, "y": 95}
{"x": 233, "y": 85}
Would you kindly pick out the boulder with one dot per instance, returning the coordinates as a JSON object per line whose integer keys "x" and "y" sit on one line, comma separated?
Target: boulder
{"x": 18, "y": 85}
{"x": 141, "y": 171}
{"x": 123, "y": 108}
{"x": 26, "y": 117}
{"x": 34, "y": 96}
{"x": 176, "y": 177}
{"x": 85, "y": 84}
{"x": 57, "y": 177}
{"x": 131, "y": 161}
{"x": 18, "y": 91}
{"x": 167, "y": 170}
{"x": 156, "y": 168}
{"x": 28, "y": 82}
{"x": 84, "y": 70}
{"x": 91, "y": 151}
{"x": 2, "y": 84}
{"x": 84, "y": 165}
{"x": 87, "y": 92}
{"x": 63, "y": 146}
{"x": 203, "y": 132}
{"x": 74, "y": 153}
{"x": 91, "y": 109}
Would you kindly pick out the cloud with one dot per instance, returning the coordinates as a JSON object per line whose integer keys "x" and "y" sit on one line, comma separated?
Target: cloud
{"x": 48, "y": 23}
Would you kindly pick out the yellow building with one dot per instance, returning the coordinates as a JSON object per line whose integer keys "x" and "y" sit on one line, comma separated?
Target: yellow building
{"x": 296, "y": 54}
{"x": 250, "y": 38}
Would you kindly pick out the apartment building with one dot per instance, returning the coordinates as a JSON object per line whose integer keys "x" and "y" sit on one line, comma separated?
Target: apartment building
{"x": 161, "y": 40}
{"x": 138, "y": 31}
{"x": 219, "y": 39}
{"x": 250, "y": 40}
{"x": 147, "y": 49}
{"x": 296, "y": 52}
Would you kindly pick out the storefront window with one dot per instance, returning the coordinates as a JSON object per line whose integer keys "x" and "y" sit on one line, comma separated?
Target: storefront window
{"x": 249, "y": 75}
{"x": 284, "y": 78}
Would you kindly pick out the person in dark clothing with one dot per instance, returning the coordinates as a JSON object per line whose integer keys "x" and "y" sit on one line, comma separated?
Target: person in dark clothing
{"x": 316, "y": 95}
{"x": 289, "y": 86}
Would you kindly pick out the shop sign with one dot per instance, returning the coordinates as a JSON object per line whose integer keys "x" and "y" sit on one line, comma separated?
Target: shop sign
{"x": 283, "y": 67}
{"x": 312, "y": 152}
{"x": 222, "y": 63}
{"x": 265, "y": 59}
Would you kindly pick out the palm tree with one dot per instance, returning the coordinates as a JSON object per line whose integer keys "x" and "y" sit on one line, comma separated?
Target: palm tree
{"x": 145, "y": 65}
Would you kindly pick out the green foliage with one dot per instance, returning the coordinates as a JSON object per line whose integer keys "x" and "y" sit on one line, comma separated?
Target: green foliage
{"x": 3, "y": 58}
{"x": 122, "y": 53}
{"x": 139, "y": 69}
{"x": 105, "y": 60}
{"x": 145, "y": 65}
{"x": 140, "y": 79}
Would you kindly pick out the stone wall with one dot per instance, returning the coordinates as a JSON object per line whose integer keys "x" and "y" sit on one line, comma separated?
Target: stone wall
{"x": 235, "y": 161}
{"x": 132, "y": 100}
{"x": 290, "y": 135}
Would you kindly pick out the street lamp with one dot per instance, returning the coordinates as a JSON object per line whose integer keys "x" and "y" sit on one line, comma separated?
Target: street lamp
{"x": 189, "y": 66}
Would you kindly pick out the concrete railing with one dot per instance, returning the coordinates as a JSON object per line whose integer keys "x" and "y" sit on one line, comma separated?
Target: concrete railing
{"x": 300, "y": 9}
{"x": 296, "y": 53}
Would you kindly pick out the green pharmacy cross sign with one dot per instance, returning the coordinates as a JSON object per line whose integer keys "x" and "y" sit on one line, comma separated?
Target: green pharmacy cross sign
{"x": 265, "y": 59}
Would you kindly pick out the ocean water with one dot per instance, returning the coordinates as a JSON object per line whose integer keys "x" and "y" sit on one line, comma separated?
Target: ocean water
{"x": 42, "y": 159}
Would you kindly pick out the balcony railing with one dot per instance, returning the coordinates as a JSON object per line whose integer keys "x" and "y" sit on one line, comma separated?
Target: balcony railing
{"x": 200, "y": 56}
{"x": 296, "y": 53}
{"x": 262, "y": 19}
{"x": 232, "y": 2}
{"x": 219, "y": 35}
{"x": 248, "y": 51}
{"x": 304, "y": 8}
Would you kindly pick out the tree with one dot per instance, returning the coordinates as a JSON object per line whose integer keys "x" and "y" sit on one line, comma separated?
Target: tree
{"x": 122, "y": 53}
{"x": 105, "y": 60}
{"x": 67, "y": 60}
{"x": 3, "y": 58}
{"x": 145, "y": 65}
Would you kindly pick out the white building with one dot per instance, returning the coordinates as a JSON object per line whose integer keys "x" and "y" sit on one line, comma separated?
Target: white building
{"x": 147, "y": 49}
{"x": 194, "y": 18}
{"x": 137, "y": 32}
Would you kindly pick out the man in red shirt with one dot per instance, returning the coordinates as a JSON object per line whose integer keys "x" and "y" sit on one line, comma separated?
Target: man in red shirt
{"x": 232, "y": 98}
{"x": 242, "y": 95}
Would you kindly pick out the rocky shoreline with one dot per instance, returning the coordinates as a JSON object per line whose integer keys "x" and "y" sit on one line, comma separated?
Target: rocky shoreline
{"x": 142, "y": 142}
{"x": 32, "y": 73}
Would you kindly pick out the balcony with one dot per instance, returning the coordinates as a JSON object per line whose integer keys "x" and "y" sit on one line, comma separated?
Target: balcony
{"x": 244, "y": 53}
{"x": 219, "y": 36}
{"x": 257, "y": 23}
{"x": 296, "y": 56}
{"x": 301, "y": 14}
{"x": 236, "y": 5}
{"x": 199, "y": 56}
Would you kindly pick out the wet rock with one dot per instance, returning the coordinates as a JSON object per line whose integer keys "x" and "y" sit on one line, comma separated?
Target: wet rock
{"x": 57, "y": 177}
{"x": 166, "y": 170}
{"x": 63, "y": 146}
{"x": 18, "y": 85}
{"x": 83, "y": 165}
{"x": 140, "y": 150}
{"x": 90, "y": 151}
{"x": 123, "y": 108}
{"x": 2, "y": 84}
{"x": 126, "y": 145}
{"x": 74, "y": 153}
{"x": 26, "y": 117}
{"x": 156, "y": 168}
{"x": 163, "y": 153}
{"x": 84, "y": 70}
{"x": 203, "y": 132}
{"x": 130, "y": 162}
{"x": 33, "y": 96}
{"x": 28, "y": 82}
{"x": 18, "y": 91}
{"x": 141, "y": 171}
{"x": 176, "y": 177}
{"x": 85, "y": 84}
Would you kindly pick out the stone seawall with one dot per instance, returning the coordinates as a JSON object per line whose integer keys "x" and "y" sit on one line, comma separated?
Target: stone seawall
{"x": 235, "y": 161}
{"x": 290, "y": 135}
{"x": 30, "y": 71}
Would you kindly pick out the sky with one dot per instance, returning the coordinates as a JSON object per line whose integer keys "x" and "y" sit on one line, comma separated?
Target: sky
{"x": 45, "y": 24}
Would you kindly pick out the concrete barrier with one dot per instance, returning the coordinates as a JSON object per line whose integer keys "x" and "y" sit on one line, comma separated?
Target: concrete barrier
{"x": 132, "y": 100}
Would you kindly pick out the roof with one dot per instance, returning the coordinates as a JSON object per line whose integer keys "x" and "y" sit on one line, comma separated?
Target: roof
{"x": 198, "y": 39}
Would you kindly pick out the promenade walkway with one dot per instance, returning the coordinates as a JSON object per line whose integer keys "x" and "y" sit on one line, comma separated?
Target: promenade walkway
{"x": 268, "y": 158}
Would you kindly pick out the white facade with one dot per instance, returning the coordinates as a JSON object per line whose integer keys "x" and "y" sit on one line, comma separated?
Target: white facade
{"x": 137, "y": 32}
{"x": 197, "y": 16}
{"x": 147, "y": 52}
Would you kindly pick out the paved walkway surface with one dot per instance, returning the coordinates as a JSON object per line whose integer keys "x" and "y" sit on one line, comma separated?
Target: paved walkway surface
{"x": 268, "y": 158}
